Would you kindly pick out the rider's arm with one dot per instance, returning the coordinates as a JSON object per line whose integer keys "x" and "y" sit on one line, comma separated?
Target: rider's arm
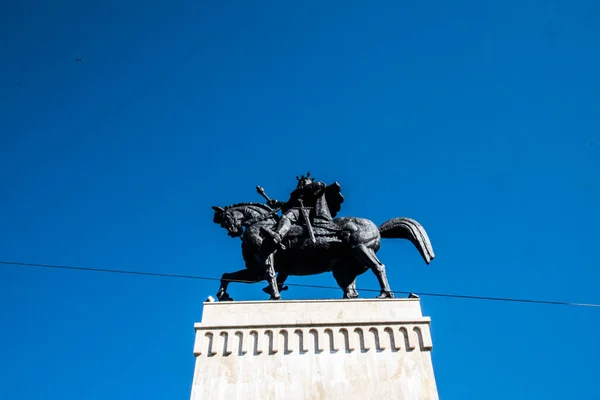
{"x": 276, "y": 203}
{"x": 283, "y": 204}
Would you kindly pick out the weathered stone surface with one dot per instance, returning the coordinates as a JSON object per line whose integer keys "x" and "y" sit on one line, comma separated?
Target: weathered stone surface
{"x": 314, "y": 349}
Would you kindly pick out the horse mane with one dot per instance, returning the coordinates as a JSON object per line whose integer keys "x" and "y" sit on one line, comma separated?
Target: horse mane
{"x": 259, "y": 205}
{"x": 218, "y": 218}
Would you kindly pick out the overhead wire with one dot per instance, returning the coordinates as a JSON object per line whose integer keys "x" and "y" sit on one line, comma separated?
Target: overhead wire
{"x": 206, "y": 278}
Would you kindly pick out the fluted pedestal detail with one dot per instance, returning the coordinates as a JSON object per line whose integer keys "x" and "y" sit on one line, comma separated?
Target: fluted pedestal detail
{"x": 314, "y": 349}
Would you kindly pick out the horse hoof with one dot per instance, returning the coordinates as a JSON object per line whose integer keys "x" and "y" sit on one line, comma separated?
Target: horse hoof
{"x": 275, "y": 298}
{"x": 224, "y": 297}
{"x": 268, "y": 290}
{"x": 385, "y": 295}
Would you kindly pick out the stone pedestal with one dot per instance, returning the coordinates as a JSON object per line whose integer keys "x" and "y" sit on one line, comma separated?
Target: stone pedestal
{"x": 313, "y": 349}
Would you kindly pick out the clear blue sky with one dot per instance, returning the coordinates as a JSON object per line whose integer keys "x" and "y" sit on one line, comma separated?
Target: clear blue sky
{"x": 479, "y": 119}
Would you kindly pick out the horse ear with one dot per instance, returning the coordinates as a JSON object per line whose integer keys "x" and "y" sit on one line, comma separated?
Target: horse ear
{"x": 218, "y": 209}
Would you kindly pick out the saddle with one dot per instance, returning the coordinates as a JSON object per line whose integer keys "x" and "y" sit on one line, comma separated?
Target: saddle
{"x": 300, "y": 230}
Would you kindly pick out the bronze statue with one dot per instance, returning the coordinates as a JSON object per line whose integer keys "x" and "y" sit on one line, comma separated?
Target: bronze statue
{"x": 307, "y": 239}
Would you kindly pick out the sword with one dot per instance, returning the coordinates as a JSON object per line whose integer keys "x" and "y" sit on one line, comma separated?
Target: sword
{"x": 309, "y": 227}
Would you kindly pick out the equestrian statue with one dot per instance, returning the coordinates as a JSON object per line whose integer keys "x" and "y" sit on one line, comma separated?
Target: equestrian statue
{"x": 307, "y": 239}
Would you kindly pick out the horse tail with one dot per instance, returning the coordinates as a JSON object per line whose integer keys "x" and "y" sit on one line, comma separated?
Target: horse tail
{"x": 406, "y": 228}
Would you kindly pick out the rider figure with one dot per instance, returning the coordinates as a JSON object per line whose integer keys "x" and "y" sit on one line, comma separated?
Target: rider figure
{"x": 308, "y": 194}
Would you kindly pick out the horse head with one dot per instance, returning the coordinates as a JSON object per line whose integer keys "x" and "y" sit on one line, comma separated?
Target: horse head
{"x": 235, "y": 217}
{"x": 229, "y": 219}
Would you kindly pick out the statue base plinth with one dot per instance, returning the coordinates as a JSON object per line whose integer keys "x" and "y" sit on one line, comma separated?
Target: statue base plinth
{"x": 313, "y": 349}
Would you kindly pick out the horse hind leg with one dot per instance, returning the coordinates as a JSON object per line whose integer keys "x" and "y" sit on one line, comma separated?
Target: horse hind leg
{"x": 243, "y": 276}
{"x": 367, "y": 257}
{"x": 350, "y": 291}
{"x": 346, "y": 282}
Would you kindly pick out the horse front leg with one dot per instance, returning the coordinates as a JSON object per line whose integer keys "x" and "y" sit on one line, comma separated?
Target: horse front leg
{"x": 270, "y": 275}
{"x": 281, "y": 277}
{"x": 242, "y": 276}
{"x": 266, "y": 259}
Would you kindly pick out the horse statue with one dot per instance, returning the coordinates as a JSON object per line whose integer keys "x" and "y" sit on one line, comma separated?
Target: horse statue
{"x": 347, "y": 248}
